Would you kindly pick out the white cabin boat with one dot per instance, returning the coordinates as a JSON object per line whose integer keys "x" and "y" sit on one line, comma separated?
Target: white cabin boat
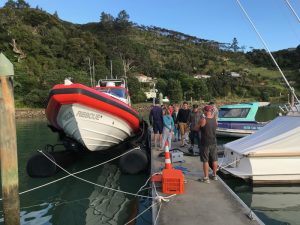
{"x": 270, "y": 155}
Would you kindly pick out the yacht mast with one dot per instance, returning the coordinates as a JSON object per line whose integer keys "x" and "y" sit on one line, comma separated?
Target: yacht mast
{"x": 268, "y": 50}
{"x": 292, "y": 9}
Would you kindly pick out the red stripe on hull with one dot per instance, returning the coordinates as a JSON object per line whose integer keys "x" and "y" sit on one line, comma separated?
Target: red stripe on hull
{"x": 57, "y": 100}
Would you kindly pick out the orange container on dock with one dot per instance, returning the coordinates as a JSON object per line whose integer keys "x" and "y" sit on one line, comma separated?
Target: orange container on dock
{"x": 172, "y": 181}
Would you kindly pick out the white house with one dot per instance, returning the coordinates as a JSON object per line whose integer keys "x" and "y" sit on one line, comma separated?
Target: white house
{"x": 201, "y": 76}
{"x": 143, "y": 78}
{"x": 235, "y": 74}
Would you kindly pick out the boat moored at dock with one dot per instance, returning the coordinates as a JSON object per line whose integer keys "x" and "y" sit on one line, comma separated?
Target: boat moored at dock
{"x": 97, "y": 118}
{"x": 271, "y": 155}
{"x": 238, "y": 120}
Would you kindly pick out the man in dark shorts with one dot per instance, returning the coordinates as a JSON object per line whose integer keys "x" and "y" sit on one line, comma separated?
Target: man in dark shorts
{"x": 156, "y": 120}
{"x": 208, "y": 150}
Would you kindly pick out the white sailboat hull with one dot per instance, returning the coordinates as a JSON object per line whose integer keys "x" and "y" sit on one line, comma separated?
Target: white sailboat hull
{"x": 223, "y": 132}
{"x": 94, "y": 129}
{"x": 263, "y": 169}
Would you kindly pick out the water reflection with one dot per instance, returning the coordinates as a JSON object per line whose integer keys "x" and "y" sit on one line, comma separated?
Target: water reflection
{"x": 71, "y": 201}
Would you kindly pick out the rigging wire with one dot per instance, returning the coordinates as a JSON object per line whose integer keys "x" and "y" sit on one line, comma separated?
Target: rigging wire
{"x": 292, "y": 9}
{"x": 268, "y": 50}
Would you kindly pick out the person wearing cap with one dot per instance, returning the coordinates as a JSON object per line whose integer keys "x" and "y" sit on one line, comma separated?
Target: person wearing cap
{"x": 208, "y": 149}
{"x": 156, "y": 121}
{"x": 215, "y": 110}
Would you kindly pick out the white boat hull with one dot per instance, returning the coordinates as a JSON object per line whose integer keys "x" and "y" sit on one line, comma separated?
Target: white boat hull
{"x": 220, "y": 132}
{"x": 263, "y": 169}
{"x": 96, "y": 130}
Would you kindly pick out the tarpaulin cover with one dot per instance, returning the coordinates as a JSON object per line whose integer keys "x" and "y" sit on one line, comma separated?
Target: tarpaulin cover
{"x": 280, "y": 136}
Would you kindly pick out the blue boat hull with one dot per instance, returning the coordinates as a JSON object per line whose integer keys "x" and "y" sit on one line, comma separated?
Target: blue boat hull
{"x": 237, "y": 129}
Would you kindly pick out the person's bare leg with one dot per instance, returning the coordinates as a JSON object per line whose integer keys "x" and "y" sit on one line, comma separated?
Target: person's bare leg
{"x": 215, "y": 167}
{"x": 205, "y": 169}
{"x": 161, "y": 145}
{"x": 155, "y": 140}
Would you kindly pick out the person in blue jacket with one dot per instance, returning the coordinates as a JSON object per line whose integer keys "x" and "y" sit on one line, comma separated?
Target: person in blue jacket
{"x": 168, "y": 127}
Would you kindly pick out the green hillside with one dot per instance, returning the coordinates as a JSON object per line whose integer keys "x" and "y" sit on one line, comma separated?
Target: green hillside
{"x": 45, "y": 50}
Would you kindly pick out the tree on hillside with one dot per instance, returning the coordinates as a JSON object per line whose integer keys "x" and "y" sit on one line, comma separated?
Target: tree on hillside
{"x": 200, "y": 89}
{"x": 161, "y": 86}
{"x": 135, "y": 91}
{"x": 123, "y": 16}
{"x": 55, "y": 14}
{"x": 235, "y": 45}
{"x": 21, "y": 4}
{"x": 174, "y": 90}
{"x": 106, "y": 20}
{"x": 122, "y": 21}
{"x": 10, "y": 4}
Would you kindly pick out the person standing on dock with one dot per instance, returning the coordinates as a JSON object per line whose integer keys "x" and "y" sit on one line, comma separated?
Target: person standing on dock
{"x": 208, "y": 126}
{"x": 176, "y": 128}
{"x": 168, "y": 127}
{"x": 156, "y": 121}
{"x": 182, "y": 120}
{"x": 215, "y": 110}
{"x": 194, "y": 119}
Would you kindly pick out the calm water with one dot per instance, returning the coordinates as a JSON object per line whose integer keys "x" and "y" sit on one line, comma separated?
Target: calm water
{"x": 70, "y": 201}
{"x": 274, "y": 205}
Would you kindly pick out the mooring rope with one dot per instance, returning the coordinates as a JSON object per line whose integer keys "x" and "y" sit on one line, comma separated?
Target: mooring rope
{"x": 158, "y": 198}
{"x": 78, "y": 172}
{"x": 141, "y": 213}
{"x": 81, "y": 171}
{"x": 229, "y": 164}
{"x": 90, "y": 182}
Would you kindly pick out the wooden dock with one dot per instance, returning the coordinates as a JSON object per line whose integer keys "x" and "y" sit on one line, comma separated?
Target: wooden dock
{"x": 201, "y": 203}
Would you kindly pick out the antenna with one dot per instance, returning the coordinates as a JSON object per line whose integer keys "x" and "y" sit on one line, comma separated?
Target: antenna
{"x": 268, "y": 50}
{"x": 94, "y": 81}
{"x": 90, "y": 69}
{"x": 111, "y": 76}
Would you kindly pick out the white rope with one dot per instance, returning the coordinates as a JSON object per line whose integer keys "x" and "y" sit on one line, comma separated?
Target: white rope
{"x": 141, "y": 213}
{"x": 223, "y": 167}
{"x": 81, "y": 171}
{"x": 89, "y": 182}
{"x": 141, "y": 188}
{"x": 268, "y": 50}
{"x": 157, "y": 214}
{"x": 292, "y": 9}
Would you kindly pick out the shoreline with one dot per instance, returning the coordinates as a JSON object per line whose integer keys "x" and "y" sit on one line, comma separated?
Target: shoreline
{"x": 27, "y": 113}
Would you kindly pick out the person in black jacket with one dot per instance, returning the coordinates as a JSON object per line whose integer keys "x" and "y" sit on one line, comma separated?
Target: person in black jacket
{"x": 182, "y": 120}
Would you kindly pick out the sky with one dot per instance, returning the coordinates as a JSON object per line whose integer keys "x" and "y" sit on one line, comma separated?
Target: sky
{"x": 218, "y": 20}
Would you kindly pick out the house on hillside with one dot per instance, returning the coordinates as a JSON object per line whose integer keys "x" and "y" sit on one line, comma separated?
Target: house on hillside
{"x": 235, "y": 74}
{"x": 143, "y": 78}
{"x": 202, "y": 76}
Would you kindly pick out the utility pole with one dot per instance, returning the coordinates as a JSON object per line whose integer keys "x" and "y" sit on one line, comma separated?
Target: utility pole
{"x": 90, "y": 69}
{"x": 111, "y": 75}
{"x": 8, "y": 145}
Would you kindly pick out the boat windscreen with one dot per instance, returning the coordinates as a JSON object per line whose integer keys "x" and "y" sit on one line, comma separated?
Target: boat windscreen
{"x": 233, "y": 113}
{"x": 118, "y": 92}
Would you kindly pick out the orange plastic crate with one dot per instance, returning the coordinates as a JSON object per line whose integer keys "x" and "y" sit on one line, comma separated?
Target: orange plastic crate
{"x": 172, "y": 181}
